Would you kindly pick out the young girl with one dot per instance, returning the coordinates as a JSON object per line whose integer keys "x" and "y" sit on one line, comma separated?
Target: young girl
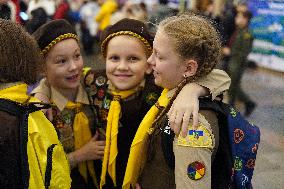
{"x": 73, "y": 117}
{"x": 186, "y": 47}
{"x": 123, "y": 100}
{"x": 31, "y": 155}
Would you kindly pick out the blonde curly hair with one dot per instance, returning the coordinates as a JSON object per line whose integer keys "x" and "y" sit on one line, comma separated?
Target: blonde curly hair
{"x": 20, "y": 58}
{"x": 194, "y": 37}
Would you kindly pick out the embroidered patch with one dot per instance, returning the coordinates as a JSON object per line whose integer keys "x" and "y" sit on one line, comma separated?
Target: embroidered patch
{"x": 151, "y": 98}
{"x": 238, "y": 164}
{"x": 250, "y": 164}
{"x": 106, "y": 103}
{"x": 196, "y": 170}
{"x": 238, "y": 135}
{"x": 101, "y": 93}
{"x": 197, "y": 138}
{"x": 100, "y": 81}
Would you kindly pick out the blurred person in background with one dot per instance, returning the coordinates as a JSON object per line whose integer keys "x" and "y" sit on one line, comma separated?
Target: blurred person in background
{"x": 239, "y": 47}
{"x": 88, "y": 25}
{"x": 159, "y": 13}
{"x": 132, "y": 10}
{"x": 39, "y": 17}
{"x": 48, "y": 5}
{"x": 7, "y": 10}
{"x": 107, "y": 8}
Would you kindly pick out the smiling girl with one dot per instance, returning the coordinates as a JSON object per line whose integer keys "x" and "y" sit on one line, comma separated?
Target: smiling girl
{"x": 72, "y": 115}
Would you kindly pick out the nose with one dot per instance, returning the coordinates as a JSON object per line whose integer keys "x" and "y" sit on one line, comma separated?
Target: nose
{"x": 151, "y": 60}
{"x": 73, "y": 65}
{"x": 122, "y": 65}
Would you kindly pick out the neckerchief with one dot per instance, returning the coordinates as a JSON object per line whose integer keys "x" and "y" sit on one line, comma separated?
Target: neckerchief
{"x": 17, "y": 93}
{"x": 110, "y": 154}
{"x": 82, "y": 135}
{"x": 135, "y": 158}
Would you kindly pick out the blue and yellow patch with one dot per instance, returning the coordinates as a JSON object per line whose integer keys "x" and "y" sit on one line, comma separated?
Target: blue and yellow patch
{"x": 201, "y": 137}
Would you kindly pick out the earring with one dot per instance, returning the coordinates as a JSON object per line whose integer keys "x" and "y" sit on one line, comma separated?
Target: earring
{"x": 185, "y": 76}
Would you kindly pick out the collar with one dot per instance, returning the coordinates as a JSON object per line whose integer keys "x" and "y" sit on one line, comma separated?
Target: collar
{"x": 60, "y": 101}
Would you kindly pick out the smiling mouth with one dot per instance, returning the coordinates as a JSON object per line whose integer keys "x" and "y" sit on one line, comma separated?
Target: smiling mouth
{"x": 74, "y": 77}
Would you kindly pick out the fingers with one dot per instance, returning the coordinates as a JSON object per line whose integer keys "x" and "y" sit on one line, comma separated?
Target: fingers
{"x": 95, "y": 137}
{"x": 185, "y": 123}
{"x": 195, "y": 119}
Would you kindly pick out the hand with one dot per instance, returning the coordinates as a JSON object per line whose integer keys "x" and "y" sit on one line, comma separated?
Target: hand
{"x": 185, "y": 105}
{"x": 92, "y": 150}
{"x": 45, "y": 99}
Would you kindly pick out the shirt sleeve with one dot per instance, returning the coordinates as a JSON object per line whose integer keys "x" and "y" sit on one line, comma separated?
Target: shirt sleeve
{"x": 216, "y": 81}
{"x": 193, "y": 156}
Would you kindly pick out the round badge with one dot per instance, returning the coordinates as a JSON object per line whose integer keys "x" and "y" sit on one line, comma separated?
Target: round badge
{"x": 100, "y": 81}
{"x": 196, "y": 170}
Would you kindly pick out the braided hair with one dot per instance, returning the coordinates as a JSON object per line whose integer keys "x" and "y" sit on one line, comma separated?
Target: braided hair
{"x": 20, "y": 58}
{"x": 194, "y": 37}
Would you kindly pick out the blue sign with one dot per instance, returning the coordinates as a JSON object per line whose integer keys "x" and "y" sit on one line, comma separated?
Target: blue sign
{"x": 267, "y": 26}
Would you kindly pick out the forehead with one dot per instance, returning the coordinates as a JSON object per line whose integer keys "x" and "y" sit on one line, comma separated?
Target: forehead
{"x": 66, "y": 46}
{"x": 162, "y": 41}
{"x": 126, "y": 43}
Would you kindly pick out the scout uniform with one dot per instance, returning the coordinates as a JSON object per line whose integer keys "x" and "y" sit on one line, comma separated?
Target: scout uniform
{"x": 177, "y": 162}
{"x": 64, "y": 113}
{"x": 134, "y": 108}
{"x": 73, "y": 120}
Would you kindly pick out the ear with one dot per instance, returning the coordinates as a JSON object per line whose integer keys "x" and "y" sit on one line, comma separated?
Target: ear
{"x": 191, "y": 67}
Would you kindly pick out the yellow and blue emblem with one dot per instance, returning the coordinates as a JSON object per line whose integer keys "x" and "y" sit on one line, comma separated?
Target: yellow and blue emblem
{"x": 201, "y": 137}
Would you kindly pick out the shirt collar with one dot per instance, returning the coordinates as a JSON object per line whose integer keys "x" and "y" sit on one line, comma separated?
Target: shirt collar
{"x": 60, "y": 101}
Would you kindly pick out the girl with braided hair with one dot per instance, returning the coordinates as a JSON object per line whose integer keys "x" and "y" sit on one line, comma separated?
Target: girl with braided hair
{"x": 185, "y": 48}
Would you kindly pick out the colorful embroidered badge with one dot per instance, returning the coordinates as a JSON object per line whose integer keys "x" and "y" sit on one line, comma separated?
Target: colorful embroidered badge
{"x": 197, "y": 138}
{"x": 196, "y": 170}
{"x": 151, "y": 98}
{"x": 100, "y": 81}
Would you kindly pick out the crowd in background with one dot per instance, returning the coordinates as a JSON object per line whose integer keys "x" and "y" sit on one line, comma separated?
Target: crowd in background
{"x": 92, "y": 16}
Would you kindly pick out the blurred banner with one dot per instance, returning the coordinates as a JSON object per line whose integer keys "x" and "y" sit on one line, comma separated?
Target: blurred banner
{"x": 267, "y": 27}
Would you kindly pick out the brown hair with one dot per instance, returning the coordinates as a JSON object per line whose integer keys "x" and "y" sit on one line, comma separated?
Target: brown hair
{"x": 20, "y": 58}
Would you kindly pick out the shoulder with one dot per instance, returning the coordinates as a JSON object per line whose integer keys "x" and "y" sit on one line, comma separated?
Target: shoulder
{"x": 204, "y": 135}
